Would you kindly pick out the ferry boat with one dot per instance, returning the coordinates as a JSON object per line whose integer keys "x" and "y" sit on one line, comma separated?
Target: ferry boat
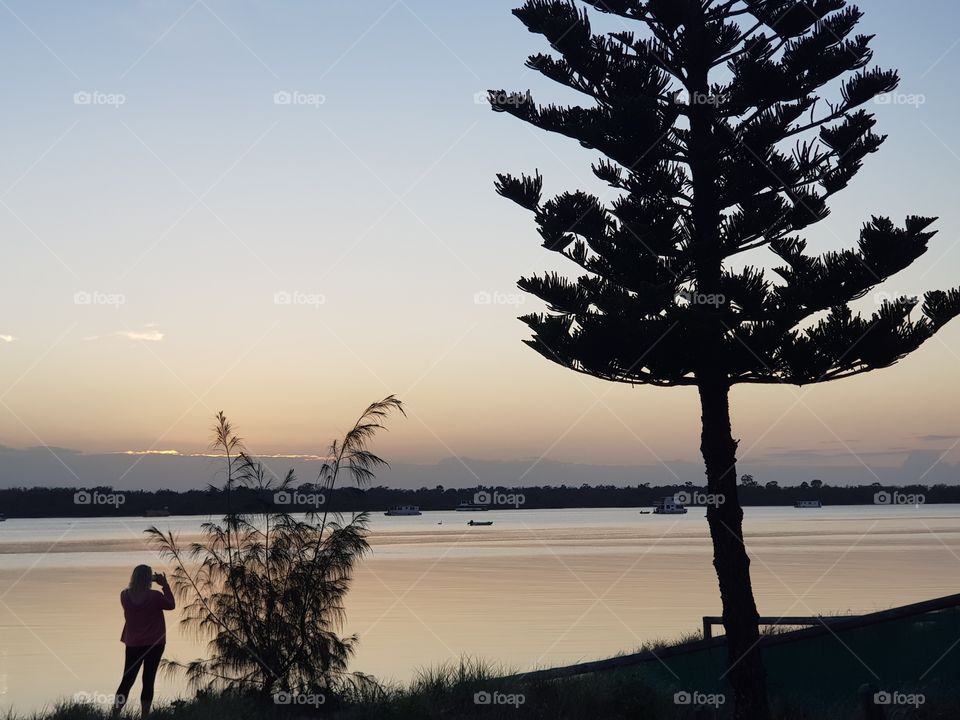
{"x": 404, "y": 510}
{"x": 807, "y": 504}
{"x": 669, "y": 506}
{"x": 471, "y": 507}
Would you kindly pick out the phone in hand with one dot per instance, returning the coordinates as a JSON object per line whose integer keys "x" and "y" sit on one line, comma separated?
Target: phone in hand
{"x": 157, "y": 578}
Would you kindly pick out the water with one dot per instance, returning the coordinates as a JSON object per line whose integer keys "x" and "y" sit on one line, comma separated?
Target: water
{"x": 538, "y": 588}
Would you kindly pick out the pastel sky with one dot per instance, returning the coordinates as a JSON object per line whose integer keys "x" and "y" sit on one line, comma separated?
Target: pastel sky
{"x": 285, "y": 210}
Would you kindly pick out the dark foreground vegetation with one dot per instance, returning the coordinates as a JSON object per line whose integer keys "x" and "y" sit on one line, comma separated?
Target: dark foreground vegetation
{"x": 61, "y": 502}
{"x": 453, "y": 691}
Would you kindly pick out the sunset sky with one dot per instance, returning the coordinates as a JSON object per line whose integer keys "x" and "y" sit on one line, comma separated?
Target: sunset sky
{"x": 286, "y": 215}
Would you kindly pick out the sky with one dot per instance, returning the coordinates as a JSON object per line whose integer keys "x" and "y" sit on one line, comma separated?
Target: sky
{"x": 285, "y": 210}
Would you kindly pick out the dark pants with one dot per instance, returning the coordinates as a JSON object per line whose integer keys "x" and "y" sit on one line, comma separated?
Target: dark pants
{"x": 148, "y": 656}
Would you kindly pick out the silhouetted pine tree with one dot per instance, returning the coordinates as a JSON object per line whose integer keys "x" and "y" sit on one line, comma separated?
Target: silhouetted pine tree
{"x": 718, "y": 142}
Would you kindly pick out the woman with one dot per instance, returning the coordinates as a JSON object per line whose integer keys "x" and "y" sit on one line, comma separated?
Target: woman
{"x": 144, "y": 633}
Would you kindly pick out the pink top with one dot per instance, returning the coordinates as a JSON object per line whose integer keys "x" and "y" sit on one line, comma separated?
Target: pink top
{"x": 144, "y": 617}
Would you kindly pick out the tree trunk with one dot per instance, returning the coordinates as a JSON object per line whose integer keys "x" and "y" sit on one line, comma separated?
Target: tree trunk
{"x": 725, "y": 518}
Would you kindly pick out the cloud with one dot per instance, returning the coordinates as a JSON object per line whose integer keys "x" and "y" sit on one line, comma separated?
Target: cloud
{"x": 145, "y": 335}
{"x": 7, "y": 338}
{"x": 937, "y": 438}
{"x": 148, "y": 334}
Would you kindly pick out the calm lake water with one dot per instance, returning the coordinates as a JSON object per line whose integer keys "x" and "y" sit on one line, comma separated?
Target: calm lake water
{"x": 538, "y": 588}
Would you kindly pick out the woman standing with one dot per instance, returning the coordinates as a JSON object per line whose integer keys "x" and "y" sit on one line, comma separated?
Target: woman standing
{"x": 144, "y": 633}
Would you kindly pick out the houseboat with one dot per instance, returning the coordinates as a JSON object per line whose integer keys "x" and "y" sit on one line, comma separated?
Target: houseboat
{"x": 669, "y": 506}
{"x": 404, "y": 510}
{"x": 470, "y": 507}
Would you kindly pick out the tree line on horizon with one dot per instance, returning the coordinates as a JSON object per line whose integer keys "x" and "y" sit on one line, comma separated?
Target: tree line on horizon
{"x": 39, "y": 502}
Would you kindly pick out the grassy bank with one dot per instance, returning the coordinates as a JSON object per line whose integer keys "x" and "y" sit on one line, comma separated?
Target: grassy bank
{"x": 475, "y": 690}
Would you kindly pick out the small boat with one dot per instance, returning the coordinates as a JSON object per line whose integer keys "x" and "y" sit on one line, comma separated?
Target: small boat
{"x": 669, "y": 506}
{"x": 404, "y": 510}
{"x": 157, "y": 513}
{"x": 644, "y": 512}
{"x": 807, "y": 504}
{"x": 471, "y": 507}
{"x": 480, "y": 522}
{"x": 2, "y": 517}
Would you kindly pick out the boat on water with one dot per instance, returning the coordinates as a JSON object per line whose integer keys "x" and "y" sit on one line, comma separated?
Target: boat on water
{"x": 669, "y": 506}
{"x": 2, "y": 517}
{"x": 807, "y": 504}
{"x": 157, "y": 513}
{"x": 480, "y": 522}
{"x": 471, "y": 507}
{"x": 404, "y": 510}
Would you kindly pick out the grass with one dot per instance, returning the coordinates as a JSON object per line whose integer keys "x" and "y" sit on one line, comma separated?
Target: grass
{"x": 459, "y": 690}
{"x": 449, "y": 691}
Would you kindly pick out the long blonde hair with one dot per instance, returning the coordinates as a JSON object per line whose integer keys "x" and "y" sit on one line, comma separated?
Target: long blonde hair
{"x": 140, "y": 579}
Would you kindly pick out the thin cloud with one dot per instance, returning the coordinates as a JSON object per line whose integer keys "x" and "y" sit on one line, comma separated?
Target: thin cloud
{"x": 148, "y": 334}
{"x": 145, "y": 335}
{"x": 7, "y": 338}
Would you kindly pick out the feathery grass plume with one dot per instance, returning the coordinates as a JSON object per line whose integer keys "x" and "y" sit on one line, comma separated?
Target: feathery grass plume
{"x": 265, "y": 587}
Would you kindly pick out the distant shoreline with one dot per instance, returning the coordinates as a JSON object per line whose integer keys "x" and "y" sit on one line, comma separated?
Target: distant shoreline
{"x": 105, "y": 501}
